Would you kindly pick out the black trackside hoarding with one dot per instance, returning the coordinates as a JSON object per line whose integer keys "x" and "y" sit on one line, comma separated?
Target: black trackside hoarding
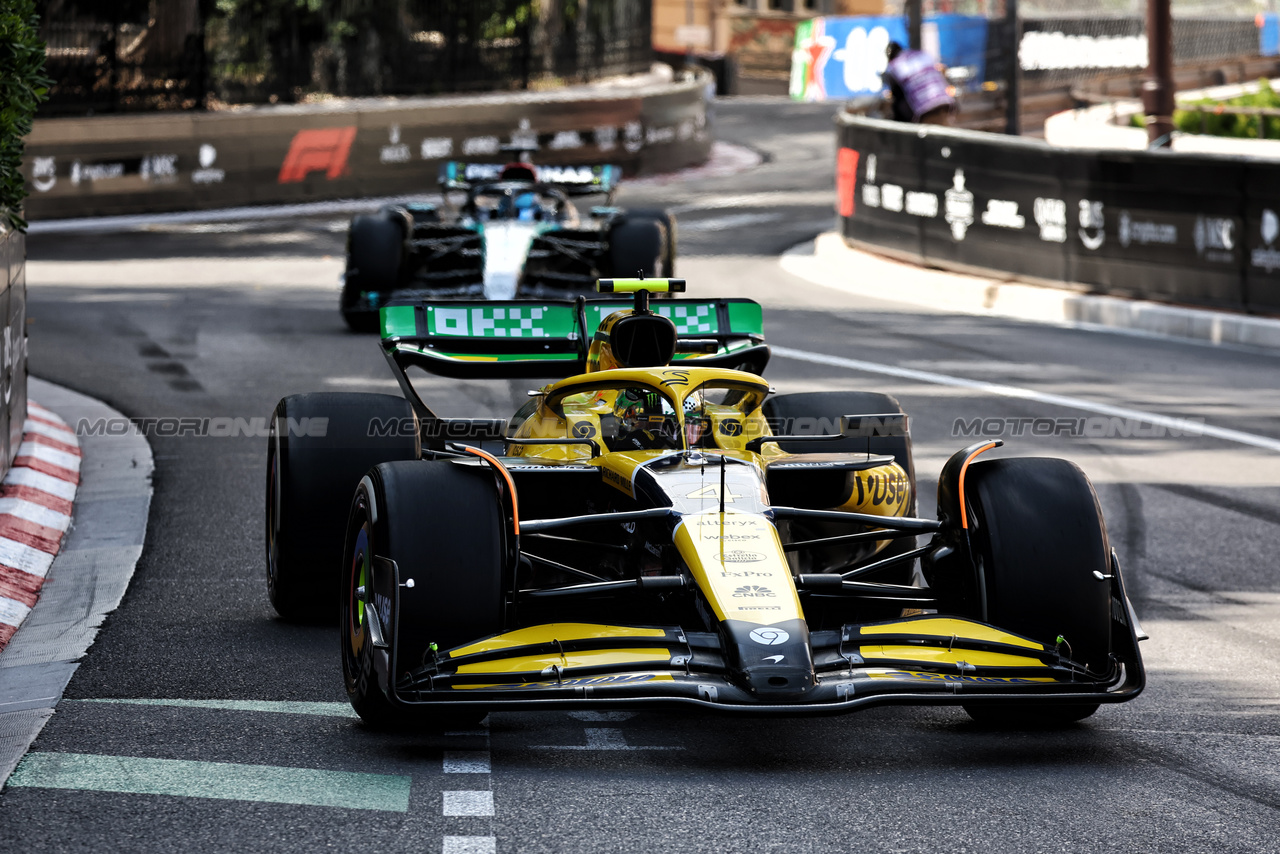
{"x": 104, "y": 165}
{"x": 1180, "y": 228}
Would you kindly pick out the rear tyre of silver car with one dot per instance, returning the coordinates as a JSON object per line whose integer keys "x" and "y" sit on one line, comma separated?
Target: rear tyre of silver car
{"x": 667, "y": 264}
{"x": 1039, "y": 538}
{"x": 375, "y": 261}
{"x": 637, "y": 247}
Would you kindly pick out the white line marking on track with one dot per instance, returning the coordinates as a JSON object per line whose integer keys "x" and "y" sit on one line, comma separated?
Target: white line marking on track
{"x": 603, "y": 738}
{"x": 478, "y": 802}
{"x": 466, "y": 762}
{"x": 602, "y": 717}
{"x": 286, "y": 707}
{"x": 470, "y": 845}
{"x": 1180, "y": 425}
{"x": 722, "y": 223}
{"x": 265, "y": 212}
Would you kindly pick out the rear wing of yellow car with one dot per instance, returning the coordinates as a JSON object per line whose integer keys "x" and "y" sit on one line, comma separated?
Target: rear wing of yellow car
{"x": 517, "y": 339}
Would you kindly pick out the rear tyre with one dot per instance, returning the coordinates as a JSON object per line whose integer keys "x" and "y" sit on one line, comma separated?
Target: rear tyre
{"x": 827, "y": 407}
{"x": 798, "y": 412}
{"x": 637, "y": 248}
{"x": 1039, "y": 537}
{"x": 667, "y": 266}
{"x": 318, "y": 448}
{"x": 375, "y": 261}
{"x": 444, "y": 527}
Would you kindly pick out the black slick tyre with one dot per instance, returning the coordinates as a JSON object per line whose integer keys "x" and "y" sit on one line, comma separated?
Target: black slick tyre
{"x": 375, "y": 260}
{"x": 637, "y": 248}
{"x": 667, "y": 266}
{"x": 427, "y": 542}
{"x": 806, "y": 411}
{"x": 818, "y": 413}
{"x": 1039, "y": 539}
{"x": 319, "y": 446}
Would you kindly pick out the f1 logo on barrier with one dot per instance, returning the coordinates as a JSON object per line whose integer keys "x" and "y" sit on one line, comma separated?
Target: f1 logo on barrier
{"x": 846, "y": 180}
{"x": 317, "y": 150}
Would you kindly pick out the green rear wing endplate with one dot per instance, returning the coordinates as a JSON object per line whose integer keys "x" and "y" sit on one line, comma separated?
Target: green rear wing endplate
{"x": 515, "y": 339}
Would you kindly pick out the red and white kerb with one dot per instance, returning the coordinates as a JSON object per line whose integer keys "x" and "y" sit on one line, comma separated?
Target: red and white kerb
{"x": 35, "y": 511}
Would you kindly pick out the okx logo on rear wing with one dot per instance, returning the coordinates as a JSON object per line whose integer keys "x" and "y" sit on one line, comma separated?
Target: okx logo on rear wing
{"x": 514, "y": 339}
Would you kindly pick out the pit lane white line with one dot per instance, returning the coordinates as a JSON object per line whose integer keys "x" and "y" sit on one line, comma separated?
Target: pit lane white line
{"x": 469, "y": 802}
{"x": 470, "y": 845}
{"x": 1179, "y": 425}
{"x": 466, "y": 762}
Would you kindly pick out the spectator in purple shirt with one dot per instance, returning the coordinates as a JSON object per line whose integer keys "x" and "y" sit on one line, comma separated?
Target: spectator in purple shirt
{"x": 920, "y": 92}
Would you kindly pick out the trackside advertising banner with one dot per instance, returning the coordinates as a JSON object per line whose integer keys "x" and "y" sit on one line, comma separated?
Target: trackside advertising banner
{"x": 1182, "y": 228}
{"x": 106, "y": 165}
{"x": 837, "y": 58}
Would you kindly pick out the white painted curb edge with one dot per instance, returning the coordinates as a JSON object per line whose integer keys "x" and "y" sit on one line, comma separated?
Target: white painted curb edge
{"x": 829, "y": 262}
{"x": 87, "y": 579}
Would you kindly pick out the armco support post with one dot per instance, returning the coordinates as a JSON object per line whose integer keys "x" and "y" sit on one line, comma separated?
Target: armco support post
{"x": 1158, "y": 90}
{"x": 1013, "y": 82}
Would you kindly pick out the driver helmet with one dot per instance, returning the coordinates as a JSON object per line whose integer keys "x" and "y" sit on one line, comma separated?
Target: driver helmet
{"x": 697, "y": 424}
{"x": 646, "y": 419}
{"x": 527, "y": 206}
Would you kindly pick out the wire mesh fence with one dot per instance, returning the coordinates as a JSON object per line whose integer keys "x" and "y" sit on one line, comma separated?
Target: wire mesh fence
{"x": 1065, "y": 42}
{"x": 135, "y": 55}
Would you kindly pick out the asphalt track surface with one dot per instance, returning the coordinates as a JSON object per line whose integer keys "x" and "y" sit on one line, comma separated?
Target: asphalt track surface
{"x": 224, "y": 320}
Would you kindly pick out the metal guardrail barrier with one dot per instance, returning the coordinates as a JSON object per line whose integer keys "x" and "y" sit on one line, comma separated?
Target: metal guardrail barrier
{"x": 1185, "y": 228}
{"x": 13, "y": 352}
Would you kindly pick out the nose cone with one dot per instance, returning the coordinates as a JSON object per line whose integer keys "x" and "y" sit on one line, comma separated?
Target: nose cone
{"x": 775, "y": 661}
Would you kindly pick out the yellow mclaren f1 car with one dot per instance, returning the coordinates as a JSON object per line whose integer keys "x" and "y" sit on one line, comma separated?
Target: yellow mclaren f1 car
{"x": 656, "y": 527}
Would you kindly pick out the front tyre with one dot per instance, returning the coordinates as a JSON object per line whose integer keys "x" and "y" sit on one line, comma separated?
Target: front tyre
{"x": 427, "y": 545}
{"x": 1039, "y": 538}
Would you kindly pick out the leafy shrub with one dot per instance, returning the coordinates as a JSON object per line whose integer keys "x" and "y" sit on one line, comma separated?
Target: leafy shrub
{"x": 1230, "y": 124}
{"x": 22, "y": 86}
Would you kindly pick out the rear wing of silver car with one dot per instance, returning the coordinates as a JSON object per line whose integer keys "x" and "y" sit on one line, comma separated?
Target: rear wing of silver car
{"x": 573, "y": 180}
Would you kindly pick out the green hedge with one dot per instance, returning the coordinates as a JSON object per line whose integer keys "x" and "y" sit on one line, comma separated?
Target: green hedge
{"x": 1229, "y": 124}
{"x": 22, "y": 87}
